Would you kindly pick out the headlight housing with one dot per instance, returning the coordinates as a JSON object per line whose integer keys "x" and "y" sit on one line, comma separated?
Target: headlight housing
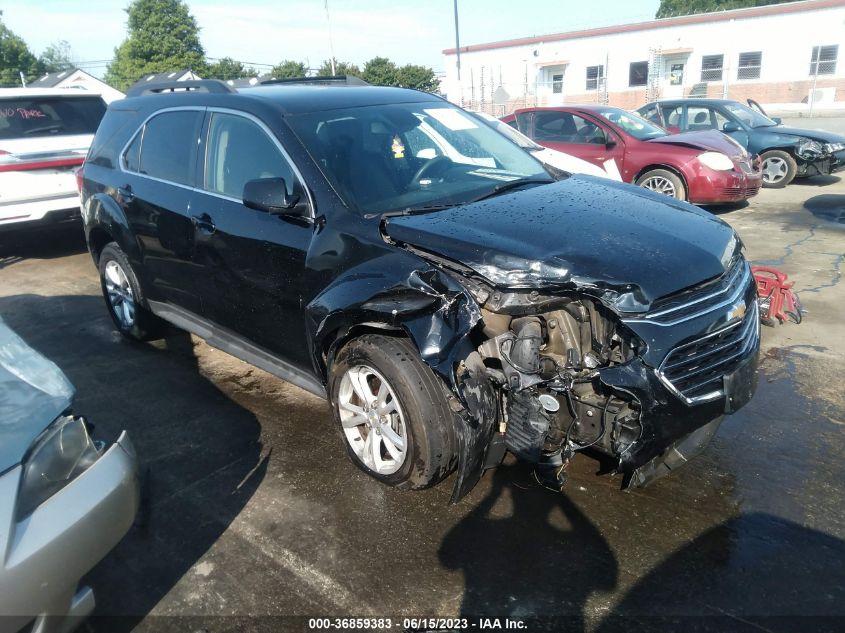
{"x": 829, "y": 148}
{"x": 808, "y": 148}
{"x": 63, "y": 452}
{"x": 716, "y": 160}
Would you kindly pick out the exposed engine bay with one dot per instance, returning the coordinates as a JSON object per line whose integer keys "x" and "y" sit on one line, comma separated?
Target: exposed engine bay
{"x": 552, "y": 403}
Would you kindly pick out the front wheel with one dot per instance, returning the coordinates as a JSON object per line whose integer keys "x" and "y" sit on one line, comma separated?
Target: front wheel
{"x": 392, "y": 412}
{"x": 663, "y": 181}
{"x": 778, "y": 169}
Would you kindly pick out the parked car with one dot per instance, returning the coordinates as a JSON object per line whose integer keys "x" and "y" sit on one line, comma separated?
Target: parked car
{"x": 551, "y": 158}
{"x": 65, "y": 499}
{"x": 44, "y": 136}
{"x": 449, "y": 309}
{"x": 702, "y": 168}
{"x": 786, "y": 152}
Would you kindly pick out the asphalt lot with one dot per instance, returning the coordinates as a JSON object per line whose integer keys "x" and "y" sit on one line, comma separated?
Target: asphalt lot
{"x": 252, "y": 510}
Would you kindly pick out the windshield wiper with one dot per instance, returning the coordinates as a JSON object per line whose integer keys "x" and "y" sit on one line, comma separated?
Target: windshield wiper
{"x": 513, "y": 184}
{"x": 412, "y": 210}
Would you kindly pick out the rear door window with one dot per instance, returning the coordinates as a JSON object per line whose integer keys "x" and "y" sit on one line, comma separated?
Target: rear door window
{"x": 168, "y": 146}
{"x": 32, "y": 117}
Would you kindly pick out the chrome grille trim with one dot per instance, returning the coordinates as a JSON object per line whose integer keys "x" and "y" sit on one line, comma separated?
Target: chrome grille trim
{"x": 746, "y": 337}
{"x": 736, "y": 284}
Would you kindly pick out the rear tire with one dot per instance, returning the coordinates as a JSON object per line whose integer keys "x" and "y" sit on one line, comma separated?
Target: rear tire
{"x": 392, "y": 413}
{"x": 663, "y": 181}
{"x": 778, "y": 168}
{"x": 124, "y": 299}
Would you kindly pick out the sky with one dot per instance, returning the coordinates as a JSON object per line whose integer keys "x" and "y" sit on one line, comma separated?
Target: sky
{"x": 266, "y": 32}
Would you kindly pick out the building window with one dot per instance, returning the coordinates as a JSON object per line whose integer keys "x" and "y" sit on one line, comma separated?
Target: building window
{"x": 557, "y": 84}
{"x": 749, "y": 65}
{"x": 594, "y": 75}
{"x": 676, "y": 75}
{"x": 711, "y": 67}
{"x": 823, "y": 60}
{"x": 638, "y": 74}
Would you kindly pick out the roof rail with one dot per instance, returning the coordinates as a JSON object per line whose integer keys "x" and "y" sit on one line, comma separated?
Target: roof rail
{"x": 333, "y": 80}
{"x": 194, "y": 85}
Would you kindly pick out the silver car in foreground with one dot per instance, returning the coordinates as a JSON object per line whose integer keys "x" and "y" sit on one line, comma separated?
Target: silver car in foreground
{"x": 65, "y": 500}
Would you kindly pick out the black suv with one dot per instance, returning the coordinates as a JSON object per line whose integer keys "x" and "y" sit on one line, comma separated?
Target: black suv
{"x": 383, "y": 249}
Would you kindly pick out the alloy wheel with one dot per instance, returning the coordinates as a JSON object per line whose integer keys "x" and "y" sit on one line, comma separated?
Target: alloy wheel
{"x": 372, "y": 420}
{"x": 660, "y": 185}
{"x": 774, "y": 170}
{"x": 120, "y": 294}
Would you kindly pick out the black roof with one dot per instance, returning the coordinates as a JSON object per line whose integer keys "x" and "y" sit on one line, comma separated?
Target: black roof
{"x": 288, "y": 98}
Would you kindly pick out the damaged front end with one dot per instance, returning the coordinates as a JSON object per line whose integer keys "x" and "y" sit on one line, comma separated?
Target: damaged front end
{"x": 565, "y": 373}
{"x": 815, "y": 158}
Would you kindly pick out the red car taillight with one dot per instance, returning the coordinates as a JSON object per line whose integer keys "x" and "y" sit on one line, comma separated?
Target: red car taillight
{"x": 13, "y": 162}
{"x": 80, "y": 175}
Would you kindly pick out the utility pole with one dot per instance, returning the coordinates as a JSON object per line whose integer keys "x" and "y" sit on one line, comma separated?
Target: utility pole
{"x": 23, "y": 79}
{"x": 457, "y": 41}
{"x": 331, "y": 44}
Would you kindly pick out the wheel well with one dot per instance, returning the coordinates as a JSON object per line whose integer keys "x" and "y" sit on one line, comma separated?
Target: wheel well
{"x": 97, "y": 239}
{"x": 785, "y": 150}
{"x": 335, "y": 340}
{"x": 665, "y": 168}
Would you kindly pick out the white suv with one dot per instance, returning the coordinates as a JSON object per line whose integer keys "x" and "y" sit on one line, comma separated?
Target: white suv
{"x": 44, "y": 137}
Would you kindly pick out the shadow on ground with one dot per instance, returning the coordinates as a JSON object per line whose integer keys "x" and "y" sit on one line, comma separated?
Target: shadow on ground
{"x": 816, "y": 181}
{"x": 200, "y": 452}
{"x": 829, "y": 206}
{"x": 49, "y": 242}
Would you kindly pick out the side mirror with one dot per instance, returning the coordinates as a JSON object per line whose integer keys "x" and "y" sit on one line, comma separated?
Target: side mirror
{"x": 731, "y": 126}
{"x": 271, "y": 195}
{"x": 777, "y": 120}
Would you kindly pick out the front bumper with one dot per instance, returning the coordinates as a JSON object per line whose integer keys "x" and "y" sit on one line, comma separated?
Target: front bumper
{"x": 48, "y": 552}
{"x": 822, "y": 166}
{"x": 709, "y": 186}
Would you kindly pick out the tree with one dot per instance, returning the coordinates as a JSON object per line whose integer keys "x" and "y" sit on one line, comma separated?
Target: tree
{"x": 380, "y": 71}
{"x": 670, "y": 8}
{"x": 162, "y": 35}
{"x": 226, "y": 68}
{"x": 341, "y": 68}
{"x": 56, "y": 57}
{"x": 289, "y": 69}
{"x": 419, "y": 77}
{"x": 15, "y": 58}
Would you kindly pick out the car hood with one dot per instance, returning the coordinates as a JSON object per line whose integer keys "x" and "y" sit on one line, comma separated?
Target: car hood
{"x": 816, "y": 135}
{"x": 626, "y": 245}
{"x": 33, "y": 393}
{"x": 708, "y": 140}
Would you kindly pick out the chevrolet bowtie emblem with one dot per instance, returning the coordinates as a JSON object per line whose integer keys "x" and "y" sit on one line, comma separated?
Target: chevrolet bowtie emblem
{"x": 737, "y": 311}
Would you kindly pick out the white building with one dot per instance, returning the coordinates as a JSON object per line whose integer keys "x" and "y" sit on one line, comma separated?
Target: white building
{"x": 774, "y": 54}
{"x": 80, "y": 80}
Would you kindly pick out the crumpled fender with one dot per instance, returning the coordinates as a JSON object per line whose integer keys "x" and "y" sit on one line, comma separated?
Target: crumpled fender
{"x": 403, "y": 293}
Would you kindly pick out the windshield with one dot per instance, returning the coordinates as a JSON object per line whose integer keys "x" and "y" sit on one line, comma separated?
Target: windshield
{"x": 28, "y": 117}
{"x": 411, "y": 155}
{"x": 749, "y": 117}
{"x": 634, "y": 124}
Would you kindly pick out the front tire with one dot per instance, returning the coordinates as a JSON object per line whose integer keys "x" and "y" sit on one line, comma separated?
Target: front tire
{"x": 123, "y": 296}
{"x": 778, "y": 168}
{"x": 392, "y": 412}
{"x": 663, "y": 181}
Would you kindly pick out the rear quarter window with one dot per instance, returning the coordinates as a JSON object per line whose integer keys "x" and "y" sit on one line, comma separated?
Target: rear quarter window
{"x": 32, "y": 117}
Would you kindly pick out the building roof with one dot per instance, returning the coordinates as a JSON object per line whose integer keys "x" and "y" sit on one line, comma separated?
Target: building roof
{"x": 169, "y": 75}
{"x": 698, "y": 18}
{"x": 51, "y": 80}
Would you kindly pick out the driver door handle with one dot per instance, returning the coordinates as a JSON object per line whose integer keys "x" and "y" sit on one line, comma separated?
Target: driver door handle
{"x": 204, "y": 223}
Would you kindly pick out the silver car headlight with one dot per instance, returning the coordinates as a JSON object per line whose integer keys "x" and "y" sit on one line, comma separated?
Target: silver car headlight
{"x": 829, "y": 148}
{"x": 63, "y": 452}
{"x": 716, "y": 161}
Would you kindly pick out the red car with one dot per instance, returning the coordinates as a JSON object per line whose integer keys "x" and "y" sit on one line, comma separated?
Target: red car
{"x": 701, "y": 167}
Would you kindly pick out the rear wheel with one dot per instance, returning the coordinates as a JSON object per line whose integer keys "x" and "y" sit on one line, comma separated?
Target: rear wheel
{"x": 663, "y": 181}
{"x": 392, "y": 412}
{"x": 123, "y": 297}
{"x": 778, "y": 169}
